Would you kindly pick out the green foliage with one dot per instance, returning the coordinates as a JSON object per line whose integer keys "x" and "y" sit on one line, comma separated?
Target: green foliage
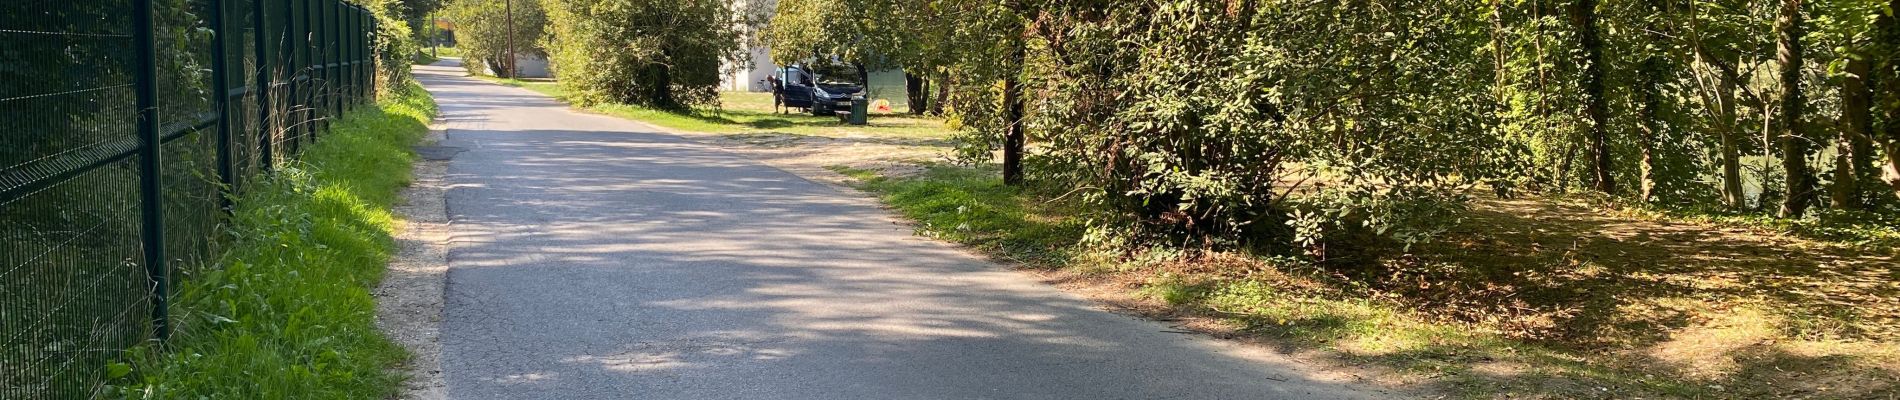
{"x": 1339, "y": 219}
{"x": 286, "y": 311}
{"x": 1280, "y": 99}
{"x": 1200, "y": 118}
{"x": 874, "y": 33}
{"x": 483, "y": 30}
{"x": 395, "y": 44}
{"x": 664, "y": 54}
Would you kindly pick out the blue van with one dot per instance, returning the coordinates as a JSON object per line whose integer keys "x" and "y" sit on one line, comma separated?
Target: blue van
{"x": 823, "y": 91}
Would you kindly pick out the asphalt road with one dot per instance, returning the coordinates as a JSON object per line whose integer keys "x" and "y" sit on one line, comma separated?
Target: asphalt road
{"x": 595, "y": 258}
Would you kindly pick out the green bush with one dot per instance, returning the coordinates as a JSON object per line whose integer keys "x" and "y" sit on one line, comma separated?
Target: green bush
{"x": 1271, "y": 105}
{"x": 395, "y": 45}
{"x": 656, "y": 53}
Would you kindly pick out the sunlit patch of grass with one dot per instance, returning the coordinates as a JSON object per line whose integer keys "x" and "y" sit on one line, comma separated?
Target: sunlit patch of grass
{"x": 973, "y": 207}
{"x": 286, "y": 311}
{"x": 1872, "y": 231}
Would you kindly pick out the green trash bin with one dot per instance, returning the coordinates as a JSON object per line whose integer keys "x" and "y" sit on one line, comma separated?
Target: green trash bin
{"x": 860, "y": 110}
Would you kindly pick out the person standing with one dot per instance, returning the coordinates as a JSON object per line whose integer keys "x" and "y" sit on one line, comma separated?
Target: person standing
{"x": 778, "y": 92}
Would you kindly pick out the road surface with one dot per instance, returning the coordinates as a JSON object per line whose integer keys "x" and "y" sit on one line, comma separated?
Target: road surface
{"x": 596, "y": 258}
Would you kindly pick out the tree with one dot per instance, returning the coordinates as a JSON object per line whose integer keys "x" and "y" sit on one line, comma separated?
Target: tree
{"x": 1790, "y": 31}
{"x": 488, "y": 34}
{"x": 1853, "y": 159}
{"x": 1886, "y": 75}
{"x": 1721, "y": 91}
{"x": 1014, "y": 135}
{"x": 1583, "y": 14}
{"x": 416, "y": 14}
{"x": 1665, "y": 156}
{"x": 657, "y": 53}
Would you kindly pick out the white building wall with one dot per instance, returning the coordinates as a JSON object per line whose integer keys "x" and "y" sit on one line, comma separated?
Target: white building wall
{"x": 741, "y": 78}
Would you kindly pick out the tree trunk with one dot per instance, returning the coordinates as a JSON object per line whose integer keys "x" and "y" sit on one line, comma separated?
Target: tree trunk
{"x": 1663, "y": 165}
{"x": 917, "y": 92}
{"x": 1583, "y": 14}
{"x": 662, "y": 95}
{"x": 1013, "y": 136}
{"x": 1649, "y": 103}
{"x": 1732, "y": 195}
{"x": 1719, "y": 92}
{"x": 1854, "y": 158}
{"x": 1794, "y": 147}
{"x": 1891, "y": 171}
{"x": 943, "y": 95}
{"x": 1886, "y": 76}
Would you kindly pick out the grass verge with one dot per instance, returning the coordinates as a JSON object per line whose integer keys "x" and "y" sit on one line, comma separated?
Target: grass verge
{"x": 1695, "y": 343}
{"x": 286, "y": 312}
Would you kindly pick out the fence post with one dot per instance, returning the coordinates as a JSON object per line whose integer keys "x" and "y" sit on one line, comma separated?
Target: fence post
{"x": 221, "y": 86}
{"x": 327, "y": 24}
{"x": 346, "y": 47}
{"x": 369, "y": 54}
{"x": 335, "y": 52}
{"x": 342, "y": 72}
{"x": 261, "y": 35}
{"x": 356, "y": 54}
{"x": 308, "y": 67}
{"x": 331, "y": 23}
{"x": 362, "y": 54}
{"x": 293, "y": 113}
{"x": 151, "y": 207}
{"x": 355, "y": 22}
{"x": 367, "y": 21}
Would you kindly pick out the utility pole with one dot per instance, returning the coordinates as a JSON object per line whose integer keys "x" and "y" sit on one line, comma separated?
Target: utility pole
{"x": 435, "y": 37}
{"x": 509, "y": 7}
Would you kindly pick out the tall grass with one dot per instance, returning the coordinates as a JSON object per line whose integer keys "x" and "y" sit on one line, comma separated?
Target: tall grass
{"x": 285, "y": 311}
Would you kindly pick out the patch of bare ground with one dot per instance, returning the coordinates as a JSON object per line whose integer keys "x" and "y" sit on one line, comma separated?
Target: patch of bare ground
{"x": 887, "y": 156}
{"x": 811, "y": 156}
{"x": 409, "y": 298}
{"x": 1744, "y": 312}
{"x": 1123, "y": 292}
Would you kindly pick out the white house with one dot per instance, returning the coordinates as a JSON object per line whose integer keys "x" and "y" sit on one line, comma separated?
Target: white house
{"x": 750, "y": 75}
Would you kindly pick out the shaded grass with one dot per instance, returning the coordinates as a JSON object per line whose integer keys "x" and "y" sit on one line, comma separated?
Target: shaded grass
{"x": 286, "y": 311}
{"x": 1469, "y": 316}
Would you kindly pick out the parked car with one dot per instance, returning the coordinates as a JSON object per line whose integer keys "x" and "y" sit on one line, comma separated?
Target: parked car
{"x": 821, "y": 93}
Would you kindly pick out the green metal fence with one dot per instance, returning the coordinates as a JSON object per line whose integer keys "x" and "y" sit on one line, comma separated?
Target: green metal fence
{"x": 125, "y": 128}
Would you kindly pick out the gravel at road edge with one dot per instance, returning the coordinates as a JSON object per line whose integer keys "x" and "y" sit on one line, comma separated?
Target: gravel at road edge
{"x": 409, "y": 299}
